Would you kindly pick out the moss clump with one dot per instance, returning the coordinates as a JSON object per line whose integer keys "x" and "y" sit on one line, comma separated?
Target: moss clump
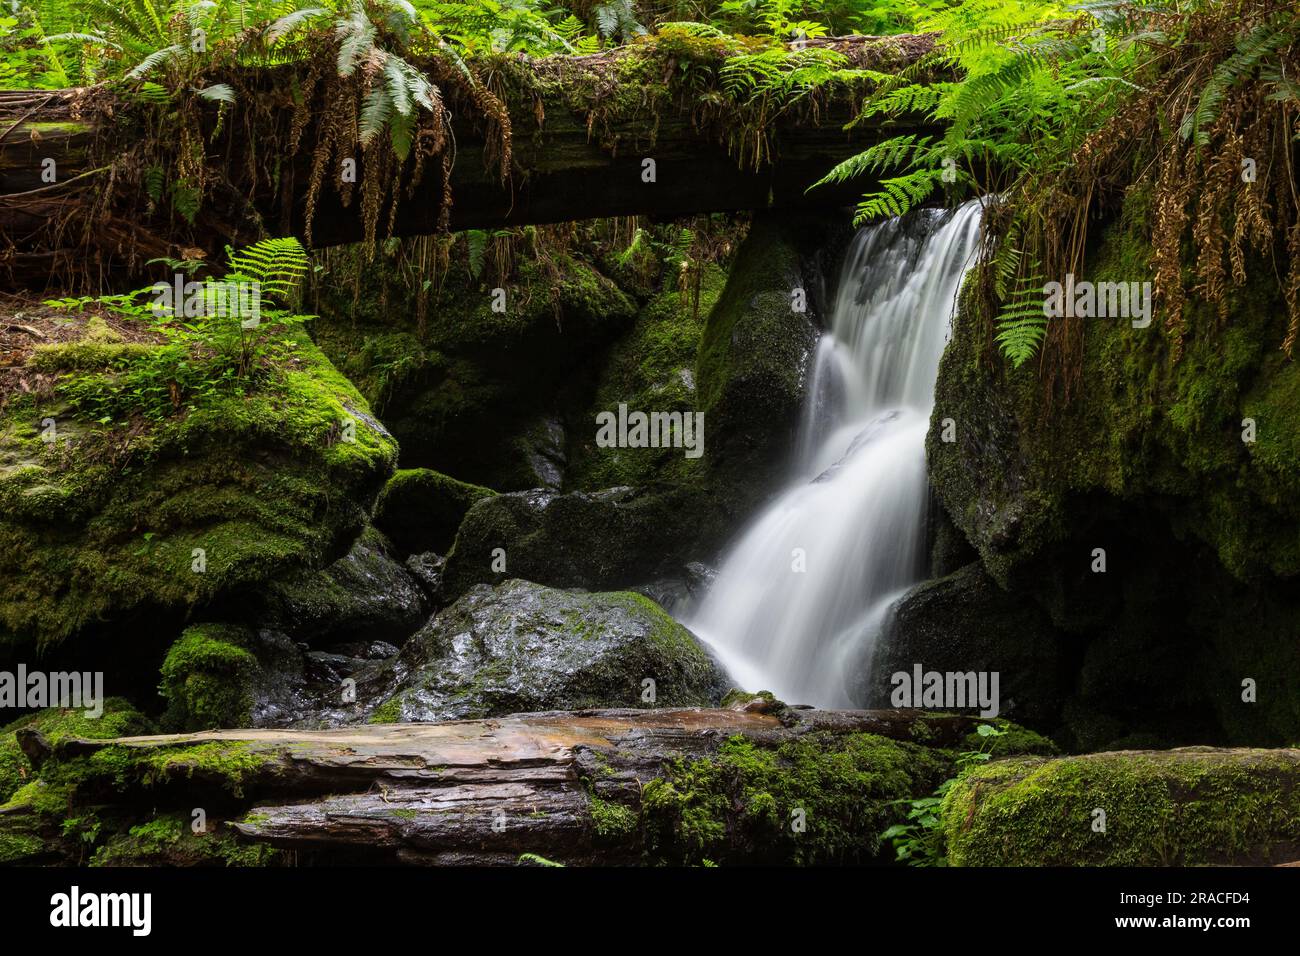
{"x": 111, "y": 519}
{"x": 747, "y": 802}
{"x": 389, "y": 712}
{"x": 86, "y": 355}
{"x": 119, "y": 719}
{"x": 169, "y": 840}
{"x": 230, "y": 764}
{"x": 652, "y": 368}
{"x": 1162, "y": 808}
{"x": 205, "y": 679}
{"x": 611, "y": 821}
{"x": 1013, "y": 740}
{"x": 19, "y": 846}
{"x": 737, "y": 696}
{"x": 420, "y": 509}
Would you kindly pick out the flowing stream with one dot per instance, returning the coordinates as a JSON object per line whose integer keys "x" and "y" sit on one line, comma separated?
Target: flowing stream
{"x": 805, "y": 590}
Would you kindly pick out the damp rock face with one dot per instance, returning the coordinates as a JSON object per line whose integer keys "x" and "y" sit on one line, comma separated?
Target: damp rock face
{"x": 365, "y": 595}
{"x": 525, "y": 647}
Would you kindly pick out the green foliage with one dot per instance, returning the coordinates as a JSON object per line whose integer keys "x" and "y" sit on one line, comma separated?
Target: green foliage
{"x": 618, "y": 19}
{"x": 205, "y": 679}
{"x": 1022, "y": 323}
{"x": 278, "y": 265}
{"x": 219, "y": 341}
{"x": 919, "y": 841}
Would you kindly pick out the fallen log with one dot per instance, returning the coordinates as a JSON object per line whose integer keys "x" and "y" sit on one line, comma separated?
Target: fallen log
{"x": 604, "y": 786}
{"x": 572, "y": 156}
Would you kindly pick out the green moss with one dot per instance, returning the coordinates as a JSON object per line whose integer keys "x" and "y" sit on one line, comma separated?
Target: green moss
{"x": 652, "y": 368}
{"x": 104, "y": 521}
{"x": 420, "y": 509}
{"x": 205, "y": 679}
{"x": 119, "y": 719}
{"x": 86, "y": 355}
{"x": 229, "y": 763}
{"x": 1171, "y": 808}
{"x": 611, "y": 821}
{"x": 18, "y": 846}
{"x": 738, "y": 696}
{"x": 169, "y": 840}
{"x": 746, "y": 802}
{"x": 389, "y": 712}
{"x": 1013, "y": 741}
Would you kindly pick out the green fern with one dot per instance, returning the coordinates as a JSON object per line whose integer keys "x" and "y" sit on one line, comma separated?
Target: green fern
{"x": 1253, "y": 49}
{"x": 476, "y": 241}
{"x": 278, "y": 265}
{"x": 899, "y": 195}
{"x": 1022, "y": 324}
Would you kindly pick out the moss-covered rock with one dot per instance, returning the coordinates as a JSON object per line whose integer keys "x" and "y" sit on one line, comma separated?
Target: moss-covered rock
{"x": 820, "y": 799}
{"x": 651, "y": 368}
{"x": 206, "y": 677}
{"x": 522, "y": 647}
{"x": 966, "y": 622}
{"x": 101, "y": 523}
{"x": 1145, "y": 461}
{"x": 420, "y": 509}
{"x": 366, "y": 595}
{"x": 617, "y": 538}
{"x": 468, "y": 369}
{"x": 229, "y": 675}
{"x": 1185, "y": 807}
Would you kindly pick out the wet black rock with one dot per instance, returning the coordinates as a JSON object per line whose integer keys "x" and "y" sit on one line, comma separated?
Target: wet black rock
{"x": 524, "y": 647}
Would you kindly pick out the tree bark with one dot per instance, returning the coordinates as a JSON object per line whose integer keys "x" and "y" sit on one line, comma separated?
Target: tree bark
{"x": 562, "y": 170}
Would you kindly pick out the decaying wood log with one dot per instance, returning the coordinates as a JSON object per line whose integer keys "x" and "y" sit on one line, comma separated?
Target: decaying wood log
{"x": 477, "y": 791}
{"x": 564, "y": 167}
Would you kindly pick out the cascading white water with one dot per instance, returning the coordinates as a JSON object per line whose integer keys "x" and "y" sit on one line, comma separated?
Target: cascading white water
{"x": 854, "y": 516}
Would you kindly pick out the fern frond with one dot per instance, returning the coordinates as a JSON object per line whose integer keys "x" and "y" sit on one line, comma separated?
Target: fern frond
{"x": 1253, "y": 48}
{"x": 376, "y": 111}
{"x": 901, "y": 151}
{"x": 279, "y": 265}
{"x": 898, "y": 196}
{"x": 1022, "y": 324}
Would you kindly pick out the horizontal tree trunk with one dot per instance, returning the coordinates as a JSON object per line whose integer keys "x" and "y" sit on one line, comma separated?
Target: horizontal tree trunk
{"x": 562, "y": 170}
{"x": 476, "y": 791}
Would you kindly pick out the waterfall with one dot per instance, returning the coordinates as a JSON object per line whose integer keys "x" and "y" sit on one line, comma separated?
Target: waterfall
{"x": 854, "y": 515}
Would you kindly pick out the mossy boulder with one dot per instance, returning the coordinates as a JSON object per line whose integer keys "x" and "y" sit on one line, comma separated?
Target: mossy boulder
{"x": 420, "y": 509}
{"x": 650, "y": 368}
{"x": 1188, "y": 634}
{"x": 753, "y": 356}
{"x": 1187, "y": 807}
{"x": 523, "y": 647}
{"x": 366, "y": 595}
{"x": 224, "y": 675}
{"x": 616, "y": 538}
{"x": 467, "y": 369}
{"x": 104, "y": 525}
